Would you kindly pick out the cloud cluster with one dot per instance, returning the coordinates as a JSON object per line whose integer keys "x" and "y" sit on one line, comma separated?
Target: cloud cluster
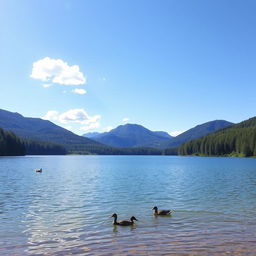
{"x": 79, "y": 116}
{"x": 51, "y": 115}
{"x": 79, "y": 91}
{"x": 57, "y": 71}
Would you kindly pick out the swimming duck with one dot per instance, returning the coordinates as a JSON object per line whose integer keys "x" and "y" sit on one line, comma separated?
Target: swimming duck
{"x": 162, "y": 212}
{"x": 123, "y": 222}
{"x": 39, "y": 170}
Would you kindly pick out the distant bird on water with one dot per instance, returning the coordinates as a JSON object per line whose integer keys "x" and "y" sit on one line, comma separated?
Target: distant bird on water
{"x": 161, "y": 212}
{"x": 123, "y": 222}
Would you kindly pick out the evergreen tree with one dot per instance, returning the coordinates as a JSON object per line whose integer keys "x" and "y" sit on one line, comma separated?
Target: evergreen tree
{"x": 239, "y": 139}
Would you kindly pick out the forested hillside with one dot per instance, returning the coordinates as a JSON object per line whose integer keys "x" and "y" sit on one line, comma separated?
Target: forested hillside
{"x": 33, "y": 147}
{"x": 39, "y": 129}
{"x": 197, "y": 132}
{"x": 237, "y": 140}
{"x": 10, "y": 144}
{"x": 108, "y": 150}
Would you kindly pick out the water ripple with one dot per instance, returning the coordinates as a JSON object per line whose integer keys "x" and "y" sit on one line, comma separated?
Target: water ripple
{"x": 66, "y": 210}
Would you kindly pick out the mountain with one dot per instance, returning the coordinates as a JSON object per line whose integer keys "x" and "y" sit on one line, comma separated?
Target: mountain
{"x": 197, "y": 132}
{"x": 236, "y": 140}
{"x": 43, "y": 130}
{"x": 92, "y": 135}
{"x": 132, "y": 135}
{"x": 164, "y": 134}
{"x": 117, "y": 141}
{"x": 43, "y": 137}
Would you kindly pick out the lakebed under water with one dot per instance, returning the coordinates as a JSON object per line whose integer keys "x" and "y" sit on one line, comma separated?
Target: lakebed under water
{"x": 66, "y": 209}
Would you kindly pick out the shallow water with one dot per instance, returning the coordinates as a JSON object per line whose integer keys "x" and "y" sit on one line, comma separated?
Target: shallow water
{"x": 66, "y": 209}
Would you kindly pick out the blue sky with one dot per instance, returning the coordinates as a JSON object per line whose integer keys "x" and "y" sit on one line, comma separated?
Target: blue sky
{"x": 167, "y": 65}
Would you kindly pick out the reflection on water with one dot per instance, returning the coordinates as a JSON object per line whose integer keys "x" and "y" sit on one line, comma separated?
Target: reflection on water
{"x": 66, "y": 209}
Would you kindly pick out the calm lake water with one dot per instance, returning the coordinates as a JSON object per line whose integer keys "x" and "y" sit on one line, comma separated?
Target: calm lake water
{"x": 66, "y": 209}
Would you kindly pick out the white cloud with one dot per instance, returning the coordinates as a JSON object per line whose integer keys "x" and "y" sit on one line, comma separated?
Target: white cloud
{"x": 78, "y": 116}
{"x": 46, "y": 85}
{"x": 175, "y": 133}
{"x": 51, "y": 115}
{"x": 91, "y": 126}
{"x": 125, "y": 119}
{"x": 79, "y": 91}
{"x": 57, "y": 71}
{"x": 107, "y": 129}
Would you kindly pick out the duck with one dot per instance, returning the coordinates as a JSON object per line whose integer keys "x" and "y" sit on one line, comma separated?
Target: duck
{"x": 39, "y": 170}
{"x": 161, "y": 212}
{"x": 123, "y": 222}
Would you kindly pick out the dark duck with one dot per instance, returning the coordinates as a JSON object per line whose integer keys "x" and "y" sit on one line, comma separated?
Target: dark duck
{"x": 123, "y": 222}
{"x": 161, "y": 212}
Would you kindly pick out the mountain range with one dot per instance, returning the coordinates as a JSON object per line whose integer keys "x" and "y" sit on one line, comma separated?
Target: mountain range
{"x": 134, "y": 135}
{"x": 131, "y": 135}
{"x": 43, "y": 130}
{"x": 124, "y": 139}
{"x": 38, "y": 132}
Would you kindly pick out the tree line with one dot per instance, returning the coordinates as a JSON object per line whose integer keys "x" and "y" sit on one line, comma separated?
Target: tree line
{"x": 35, "y": 147}
{"x": 238, "y": 140}
{"x": 108, "y": 150}
{"x": 10, "y": 144}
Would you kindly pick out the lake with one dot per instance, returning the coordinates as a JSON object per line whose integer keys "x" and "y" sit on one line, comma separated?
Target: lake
{"x": 66, "y": 209}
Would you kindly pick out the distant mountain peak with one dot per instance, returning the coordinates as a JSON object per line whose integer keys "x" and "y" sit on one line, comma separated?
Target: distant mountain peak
{"x": 132, "y": 135}
{"x": 198, "y": 131}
